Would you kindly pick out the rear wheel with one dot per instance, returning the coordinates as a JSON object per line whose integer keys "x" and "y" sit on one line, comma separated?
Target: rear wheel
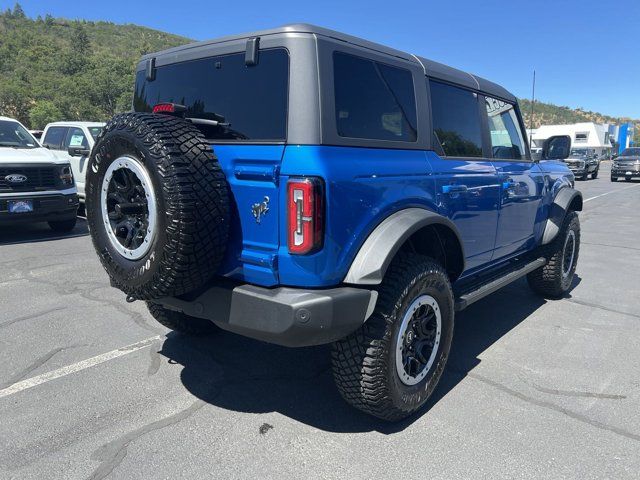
{"x": 555, "y": 278}
{"x": 181, "y": 322}
{"x": 63, "y": 226}
{"x": 390, "y": 366}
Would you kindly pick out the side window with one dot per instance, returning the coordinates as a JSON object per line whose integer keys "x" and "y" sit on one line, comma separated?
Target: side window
{"x": 54, "y": 137}
{"x": 507, "y": 141}
{"x": 75, "y": 138}
{"x": 456, "y": 121}
{"x": 373, "y": 100}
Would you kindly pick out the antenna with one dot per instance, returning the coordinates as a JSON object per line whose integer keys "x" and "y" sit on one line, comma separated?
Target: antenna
{"x": 533, "y": 99}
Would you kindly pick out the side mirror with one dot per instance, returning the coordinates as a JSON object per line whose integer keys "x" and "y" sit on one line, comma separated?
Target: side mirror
{"x": 78, "y": 151}
{"x": 556, "y": 148}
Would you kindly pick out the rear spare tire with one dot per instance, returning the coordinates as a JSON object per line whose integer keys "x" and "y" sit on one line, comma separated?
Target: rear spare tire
{"x": 157, "y": 205}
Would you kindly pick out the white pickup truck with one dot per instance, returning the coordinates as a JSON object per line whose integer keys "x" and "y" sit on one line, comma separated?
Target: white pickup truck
{"x": 73, "y": 141}
{"x": 35, "y": 185}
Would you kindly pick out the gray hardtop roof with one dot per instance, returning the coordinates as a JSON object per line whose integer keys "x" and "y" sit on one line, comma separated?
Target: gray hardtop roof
{"x": 432, "y": 69}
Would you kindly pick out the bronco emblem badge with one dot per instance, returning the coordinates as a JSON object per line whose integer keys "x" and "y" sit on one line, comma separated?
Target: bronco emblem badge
{"x": 259, "y": 209}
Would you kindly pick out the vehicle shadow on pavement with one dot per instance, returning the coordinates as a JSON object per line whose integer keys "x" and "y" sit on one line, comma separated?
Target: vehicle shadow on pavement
{"x": 38, "y": 232}
{"x": 244, "y": 375}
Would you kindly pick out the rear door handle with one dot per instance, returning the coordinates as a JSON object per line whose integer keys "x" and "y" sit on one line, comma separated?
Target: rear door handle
{"x": 454, "y": 188}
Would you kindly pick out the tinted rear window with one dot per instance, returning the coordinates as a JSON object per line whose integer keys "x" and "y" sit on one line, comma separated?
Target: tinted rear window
{"x": 373, "y": 100}
{"x": 252, "y": 100}
{"x": 456, "y": 121}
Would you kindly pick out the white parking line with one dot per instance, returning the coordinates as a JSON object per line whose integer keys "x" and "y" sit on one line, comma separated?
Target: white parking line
{"x": 76, "y": 367}
{"x": 612, "y": 191}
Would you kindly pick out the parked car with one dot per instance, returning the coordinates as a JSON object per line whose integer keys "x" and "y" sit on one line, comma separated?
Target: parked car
{"x": 35, "y": 186}
{"x": 626, "y": 165}
{"x": 37, "y": 134}
{"x": 583, "y": 162}
{"x": 73, "y": 141}
{"x": 302, "y": 187}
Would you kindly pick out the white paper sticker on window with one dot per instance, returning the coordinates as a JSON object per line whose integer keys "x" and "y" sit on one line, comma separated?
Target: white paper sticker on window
{"x": 76, "y": 140}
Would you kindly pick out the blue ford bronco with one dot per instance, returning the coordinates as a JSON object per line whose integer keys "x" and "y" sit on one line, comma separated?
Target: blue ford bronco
{"x": 302, "y": 187}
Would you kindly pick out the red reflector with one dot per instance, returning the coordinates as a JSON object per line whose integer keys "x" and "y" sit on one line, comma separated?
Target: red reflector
{"x": 305, "y": 209}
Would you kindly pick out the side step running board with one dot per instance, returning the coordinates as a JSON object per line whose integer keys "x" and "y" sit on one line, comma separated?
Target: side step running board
{"x": 466, "y": 299}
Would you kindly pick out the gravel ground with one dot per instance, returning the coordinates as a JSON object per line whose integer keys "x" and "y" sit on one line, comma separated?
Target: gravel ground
{"x": 91, "y": 387}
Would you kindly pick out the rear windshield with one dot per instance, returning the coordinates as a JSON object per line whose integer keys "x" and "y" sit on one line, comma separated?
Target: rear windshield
{"x": 249, "y": 101}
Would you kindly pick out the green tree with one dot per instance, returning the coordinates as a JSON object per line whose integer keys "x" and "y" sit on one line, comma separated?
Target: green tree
{"x": 43, "y": 112}
{"x": 18, "y": 12}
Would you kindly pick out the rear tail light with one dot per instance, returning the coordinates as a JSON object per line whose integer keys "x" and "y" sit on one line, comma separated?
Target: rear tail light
{"x": 169, "y": 108}
{"x": 305, "y": 215}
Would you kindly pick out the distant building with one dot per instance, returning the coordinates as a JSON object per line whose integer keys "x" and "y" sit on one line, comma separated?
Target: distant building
{"x": 591, "y": 137}
{"x": 622, "y": 135}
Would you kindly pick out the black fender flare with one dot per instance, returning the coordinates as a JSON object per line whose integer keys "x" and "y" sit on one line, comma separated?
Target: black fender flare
{"x": 381, "y": 246}
{"x": 565, "y": 197}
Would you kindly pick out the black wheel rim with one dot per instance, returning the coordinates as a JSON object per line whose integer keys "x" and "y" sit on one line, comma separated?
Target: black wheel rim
{"x": 418, "y": 340}
{"x": 128, "y": 208}
{"x": 568, "y": 253}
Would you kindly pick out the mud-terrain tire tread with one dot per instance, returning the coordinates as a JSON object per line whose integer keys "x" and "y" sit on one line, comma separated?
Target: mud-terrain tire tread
{"x": 180, "y": 322}
{"x": 358, "y": 361}
{"x": 547, "y": 280}
{"x": 196, "y": 203}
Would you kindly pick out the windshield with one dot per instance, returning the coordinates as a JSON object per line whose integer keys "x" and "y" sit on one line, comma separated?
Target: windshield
{"x": 95, "y": 131}
{"x": 630, "y": 152}
{"x": 578, "y": 152}
{"x": 14, "y": 135}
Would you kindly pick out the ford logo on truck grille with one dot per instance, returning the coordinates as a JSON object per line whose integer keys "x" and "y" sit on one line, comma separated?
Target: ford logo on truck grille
{"x": 16, "y": 178}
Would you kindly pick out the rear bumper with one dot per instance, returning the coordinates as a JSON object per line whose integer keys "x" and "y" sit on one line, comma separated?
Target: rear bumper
{"x": 291, "y": 317}
{"x": 53, "y": 207}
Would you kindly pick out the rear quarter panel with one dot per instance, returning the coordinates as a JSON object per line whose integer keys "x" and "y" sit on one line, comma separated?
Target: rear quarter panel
{"x": 363, "y": 186}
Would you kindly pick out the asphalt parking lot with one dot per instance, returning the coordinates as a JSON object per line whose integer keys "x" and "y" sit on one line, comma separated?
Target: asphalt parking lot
{"x": 91, "y": 387}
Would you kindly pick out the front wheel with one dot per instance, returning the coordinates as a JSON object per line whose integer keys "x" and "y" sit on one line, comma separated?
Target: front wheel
{"x": 555, "y": 278}
{"x": 614, "y": 179}
{"x": 390, "y": 366}
{"x": 594, "y": 175}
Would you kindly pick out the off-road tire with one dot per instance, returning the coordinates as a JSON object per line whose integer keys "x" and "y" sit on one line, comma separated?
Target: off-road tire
{"x": 63, "y": 226}
{"x": 363, "y": 363}
{"x": 191, "y": 201}
{"x": 549, "y": 280}
{"x": 180, "y": 322}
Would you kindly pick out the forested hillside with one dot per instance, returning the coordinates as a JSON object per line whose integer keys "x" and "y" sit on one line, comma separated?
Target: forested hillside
{"x": 548, "y": 114}
{"x": 55, "y": 69}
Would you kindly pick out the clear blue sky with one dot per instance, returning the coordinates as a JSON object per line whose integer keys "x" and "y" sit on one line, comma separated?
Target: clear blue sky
{"x": 586, "y": 53}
